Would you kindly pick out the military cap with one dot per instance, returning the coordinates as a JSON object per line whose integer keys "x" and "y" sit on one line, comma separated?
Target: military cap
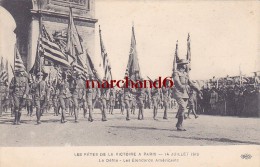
{"x": 39, "y": 74}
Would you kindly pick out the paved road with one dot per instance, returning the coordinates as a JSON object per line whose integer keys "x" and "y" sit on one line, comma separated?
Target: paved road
{"x": 206, "y": 130}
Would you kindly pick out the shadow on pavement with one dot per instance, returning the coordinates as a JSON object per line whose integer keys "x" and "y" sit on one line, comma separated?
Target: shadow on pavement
{"x": 138, "y": 128}
{"x": 224, "y": 140}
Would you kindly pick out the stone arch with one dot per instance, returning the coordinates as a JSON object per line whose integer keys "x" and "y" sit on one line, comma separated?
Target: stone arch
{"x": 54, "y": 15}
{"x": 20, "y": 10}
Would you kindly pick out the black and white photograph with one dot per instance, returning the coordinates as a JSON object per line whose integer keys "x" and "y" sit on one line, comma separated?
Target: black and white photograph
{"x": 125, "y": 74}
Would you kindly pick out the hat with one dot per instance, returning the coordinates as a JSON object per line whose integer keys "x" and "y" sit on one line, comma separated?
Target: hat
{"x": 182, "y": 61}
{"x": 39, "y": 74}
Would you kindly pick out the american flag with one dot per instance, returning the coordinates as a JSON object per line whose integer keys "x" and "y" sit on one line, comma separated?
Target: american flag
{"x": 3, "y": 73}
{"x": 106, "y": 63}
{"x": 52, "y": 51}
{"x": 79, "y": 66}
{"x": 133, "y": 63}
{"x": 91, "y": 68}
{"x": 74, "y": 46}
{"x": 38, "y": 64}
{"x": 18, "y": 62}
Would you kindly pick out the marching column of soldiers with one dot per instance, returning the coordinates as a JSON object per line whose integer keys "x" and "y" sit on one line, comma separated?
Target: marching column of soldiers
{"x": 70, "y": 93}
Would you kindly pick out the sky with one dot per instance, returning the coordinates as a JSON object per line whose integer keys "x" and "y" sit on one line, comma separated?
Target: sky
{"x": 224, "y": 35}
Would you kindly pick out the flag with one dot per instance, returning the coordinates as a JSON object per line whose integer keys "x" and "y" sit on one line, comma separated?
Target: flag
{"x": 106, "y": 63}
{"x": 38, "y": 64}
{"x": 18, "y": 62}
{"x": 3, "y": 72}
{"x": 45, "y": 34}
{"x": 133, "y": 67}
{"x": 2, "y": 64}
{"x": 175, "y": 58}
{"x": 74, "y": 46}
{"x": 7, "y": 69}
{"x": 188, "y": 56}
{"x": 91, "y": 69}
{"x": 52, "y": 51}
{"x": 79, "y": 66}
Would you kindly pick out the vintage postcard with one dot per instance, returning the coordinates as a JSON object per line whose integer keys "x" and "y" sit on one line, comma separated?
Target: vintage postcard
{"x": 129, "y": 83}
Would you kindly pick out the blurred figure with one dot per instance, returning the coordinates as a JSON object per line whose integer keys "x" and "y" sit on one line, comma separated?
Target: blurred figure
{"x": 213, "y": 100}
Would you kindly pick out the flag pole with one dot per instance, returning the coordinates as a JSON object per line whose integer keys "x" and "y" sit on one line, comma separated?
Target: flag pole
{"x": 15, "y": 50}
{"x": 40, "y": 34}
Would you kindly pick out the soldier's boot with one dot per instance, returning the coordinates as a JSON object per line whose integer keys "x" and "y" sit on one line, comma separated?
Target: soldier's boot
{"x": 90, "y": 115}
{"x": 112, "y": 108}
{"x": 142, "y": 114}
{"x": 127, "y": 114}
{"x": 63, "y": 115}
{"x": 122, "y": 110}
{"x": 38, "y": 115}
{"x": 155, "y": 113}
{"x": 54, "y": 109}
{"x": 15, "y": 117}
{"x": 28, "y": 110}
{"x": 84, "y": 112}
{"x": 76, "y": 114}
{"x": 104, "y": 117}
{"x": 185, "y": 116}
{"x": 139, "y": 114}
{"x": 31, "y": 111}
{"x": 62, "y": 119}
{"x": 179, "y": 123}
{"x": 165, "y": 114}
{"x": 177, "y": 114}
{"x": 12, "y": 112}
{"x": 18, "y": 118}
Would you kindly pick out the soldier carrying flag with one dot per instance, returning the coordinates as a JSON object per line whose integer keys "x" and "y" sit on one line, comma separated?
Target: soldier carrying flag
{"x": 19, "y": 86}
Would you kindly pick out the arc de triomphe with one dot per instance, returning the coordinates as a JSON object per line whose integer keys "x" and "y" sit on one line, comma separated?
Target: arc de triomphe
{"x": 55, "y": 16}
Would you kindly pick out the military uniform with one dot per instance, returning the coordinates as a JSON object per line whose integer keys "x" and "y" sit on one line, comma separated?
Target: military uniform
{"x": 64, "y": 97}
{"x": 103, "y": 99}
{"x": 112, "y": 97}
{"x": 127, "y": 98}
{"x": 6, "y": 102}
{"x": 40, "y": 96}
{"x": 29, "y": 99}
{"x": 140, "y": 102}
{"x": 55, "y": 99}
{"x": 133, "y": 102}
{"x": 89, "y": 103}
{"x": 78, "y": 94}
{"x": 180, "y": 91}
{"x": 20, "y": 87}
{"x": 166, "y": 95}
{"x": 49, "y": 92}
{"x": 121, "y": 101}
{"x": 3, "y": 95}
{"x": 192, "y": 103}
{"x": 155, "y": 92}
